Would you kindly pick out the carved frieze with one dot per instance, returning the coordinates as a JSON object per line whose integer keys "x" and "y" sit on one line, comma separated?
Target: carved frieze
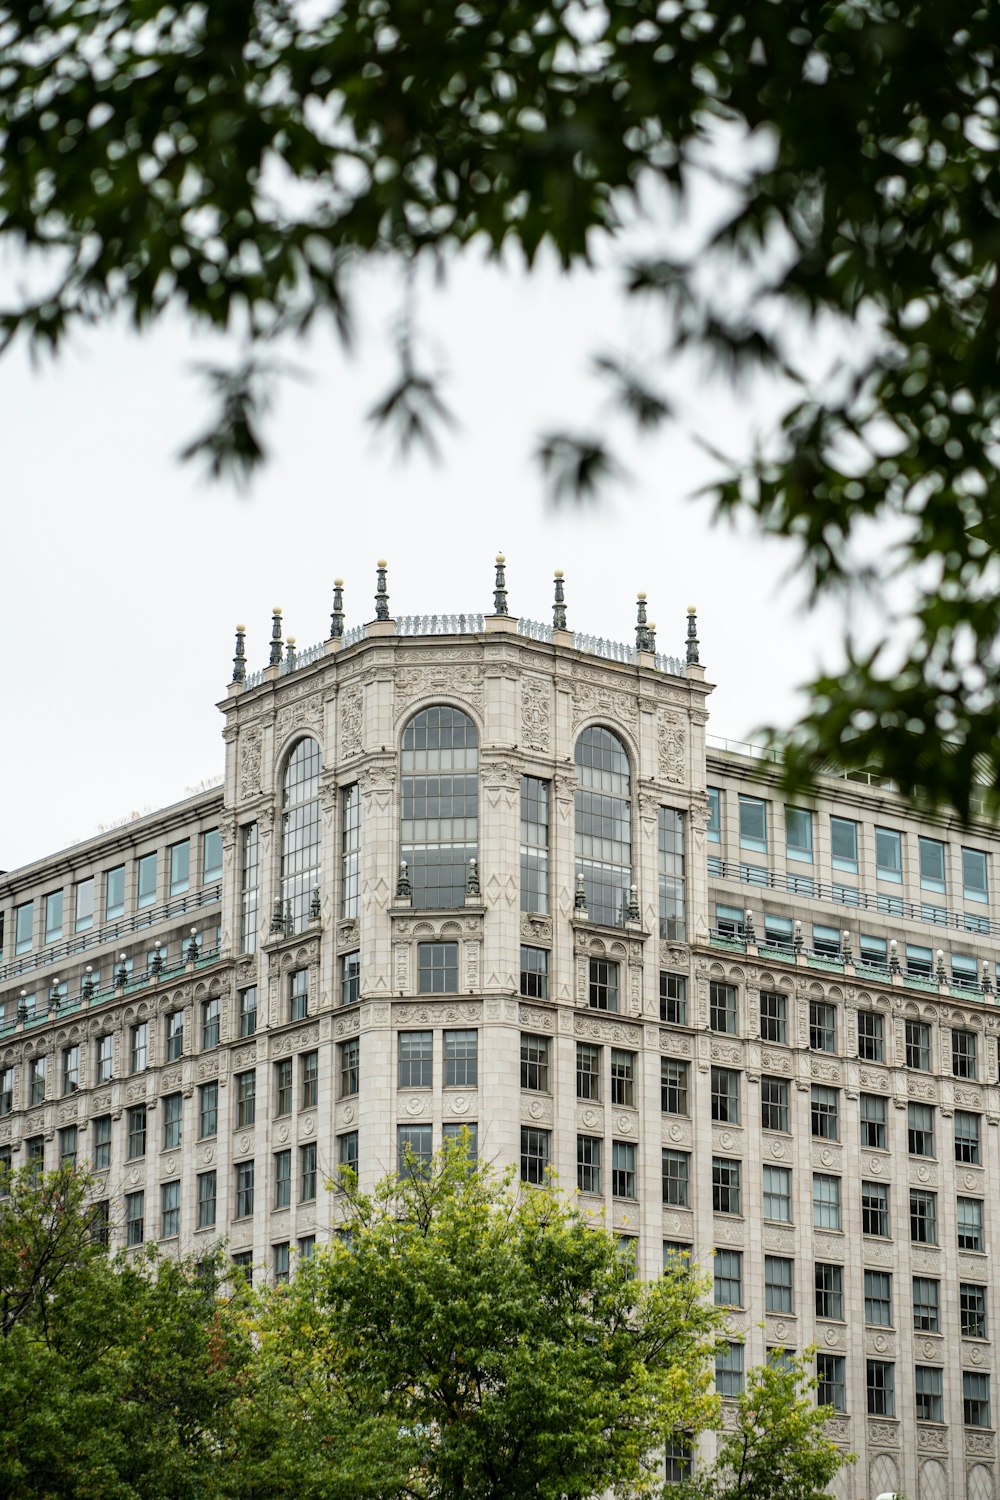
{"x": 250, "y": 762}
{"x": 351, "y": 714}
{"x": 671, "y": 745}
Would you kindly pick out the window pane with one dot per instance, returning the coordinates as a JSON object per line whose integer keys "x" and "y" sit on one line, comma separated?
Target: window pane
{"x": 439, "y": 830}
{"x": 604, "y": 824}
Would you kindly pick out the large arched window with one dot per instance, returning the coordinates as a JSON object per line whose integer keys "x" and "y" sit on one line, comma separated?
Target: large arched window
{"x": 440, "y": 801}
{"x": 300, "y": 831}
{"x": 604, "y": 824}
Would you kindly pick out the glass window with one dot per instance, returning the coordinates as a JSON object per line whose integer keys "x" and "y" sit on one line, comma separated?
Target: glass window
{"x": 778, "y": 932}
{"x": 926, "y": 1296}
{"x": 83, "y": 904}
{"x": 880, "y": 1381}
{"x": 347, "y": 1151}
{"x": 301, "y": 834}
{"x": 6, "y": 1090}
{"x": 927, "y": 1391}
{"x": 673, "y": 998}
{"x": 53, "y": 916}
{"x": 174, "y": 1025}
{"x": 350, "y": 1061}
{"x": 778, "y": 1194}
{"x": 673, "y": 1086}
{"x": 71, "y": 1069}
{"x": 534, "y": 1154}
{"x": 244, "y": 1189}
{"x": 920, "y": 1129}
{"x": 826, "y": 1201}
{"x": 671, "y": 874}
{"x": 729, "y": 1370}
{"x": 725, "y": 1185}
{"x": 969, "y": 1222}
{"x": 873, "y": 1110}
{"x": 588, "y": 1164}
{"x": 146, "y": 881}
{"x": 534, "y": 844}
{"x": 139, "y": 1046}
{"x": 170, "y": 1210}
{"x": 932, "y": 864}
{"x": 725, "y": 1096}
{"x": 825, "y": 1112}
{"x": 729, "y": 919}
{"x": 350, "y": 864}
{"x": 535, "y": 973}
{"x": 918, "y": 961}
{"x": 135, "y": 1218}
{"x": 889, "y": 855}
{"x": 622, "y": 1077}
{"x": 623, "y": 1169}
{"x": 923, "y": 1217}
{"x": 249, "y": 882}
{"x": 439, "y": 765}
{"x": 878, "y": 1299}
{"x": 102, "y": 1143}
{"x": 676, "y": 1177}
{"x": 778, "y": 1284}
{"x": 208, "y": 1110}
{"x": 974, "y": 878}
{"x": 753, "y": 823}
{"x": 307, "y": 1173}
{"x": 206, "y": 1200}
{"x": 604, "y": 824}
{"x": 971, "y": 1310}
{"x": 588, "y": 1071}
{"x": 135, "y": 1120}
{"x": 918, "y": 1046}
{"x": 830, "y": 1381}
{"x": 967, "y": 1137}
{"x": 963, "y": 971}
{"x": 844, "y": 844}
{"x": 722, "y": 1007}
{"x": 416, "y": 1059}
{"x": 68, "y": 1140}
{"x": 829, "y": 1291}
{"x": 173, "y": 1106}
{"x": 727, "y": 1275}
{"x": 799, "y": 834}
{"x": 437, "y": 968}
{"x": 603, "y": 985}
{"x": 964, "y": 1063}
{"x": 211, "y": 855}
{"x": 773, "y": 1103}
{"x": 714, "y": 815}
{"x": 283, "y": 1087}
{"x": 24, "y": 927}
{"x": 114, "y": 892}
{"x": 210, "y": 1013}
{"x": 873, "y": 951}
{"x": 282, "y": 1263}
{"x": 180, "y": 867}
{"x": 535, "y": 1063}
{"x": 248, "y": 1010}
{"x": 822, "y": 1026}
{"x": 773, "y": 1017}
{"x": 678, "y": 1465}
{"x": 871, "y": 1036}
{"x": 350, "y": 978}
{"x": 461, "y": 1059}
{"x": 246, "y": 1098}
{"x": 298, "y": 995}
{"x": 975, "y": 1399}
{"x": 309, "y": 1079}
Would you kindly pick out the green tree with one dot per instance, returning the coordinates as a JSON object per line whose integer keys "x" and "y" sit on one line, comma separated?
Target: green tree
{"x": 777, "y": 1449}
{"x": 239, "y": 161}
{"x": 478, "y": 1341}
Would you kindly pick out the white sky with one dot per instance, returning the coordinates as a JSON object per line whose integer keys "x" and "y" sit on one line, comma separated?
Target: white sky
{"x": 124, "y": 572}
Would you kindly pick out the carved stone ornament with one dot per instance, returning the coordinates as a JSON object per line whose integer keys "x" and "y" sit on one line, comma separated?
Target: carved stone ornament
{"x": 305, "y": 713}
{"x": 671, "y": 746}
{"x": 593, "y": 701}
{"x": 351, "y": 706}
{"x": 439, "y": 680}
{"x": 249, "y": 762}
{"x": 536, "y": 710}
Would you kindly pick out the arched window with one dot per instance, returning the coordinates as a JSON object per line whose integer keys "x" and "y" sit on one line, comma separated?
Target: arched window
{"x": 439, "y": 768}
{"x": 300, "y": 831}
{"x": 604, "y": 824}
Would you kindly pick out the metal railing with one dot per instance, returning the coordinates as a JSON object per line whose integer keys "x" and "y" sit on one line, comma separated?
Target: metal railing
{"x": 470, "y": 624}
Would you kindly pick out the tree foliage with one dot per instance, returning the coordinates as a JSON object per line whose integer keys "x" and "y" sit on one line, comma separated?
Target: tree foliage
{"x": 239, "y": 161}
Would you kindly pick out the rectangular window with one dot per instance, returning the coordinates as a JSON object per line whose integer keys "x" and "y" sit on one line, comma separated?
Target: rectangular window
{"x": 246, "y": 1098}
{"x": 969, "y": 1223}
{"x": 146, "y": 881}
{"x": 416, "y": 1059}
{"x": 6, "y": 1090}
{"x": 139, "y": 1046}
{"x": 170, "y": 1210}
{"x": 588, "y": 1164}
{"x": 210, "y": 1013}
{"x": 678, "y": 1463}
{"x": 830, "y": 1381}
{"x": 844, "y": 844}
{"x": 623, "y": 1169}
{"x": 777, "y": 1200}
{"x": 729, "y": 1370}
{"x": 722, "y": 1007}
{"x": 603, "y": 985}
{"x": 208, "y": 1110}
{"x": 242, "y": 1264}
{"x": 918, "y": 1046}
{"x": 350, "y": 978}
{"x": 880, "y": 1381}
{"x": 173, "y": 1106}
{"x": 822, "y": 1026}
{"x": 923, "y": 1217}
{"x": 673, "y": 998}
{"x": 778, "y": 1284}
{"x": 729, "y": 919}
{"x": 753, "y": 824}
{"x": 927, "y": 1388}
{"x": 180, "y": 867}
{"x": 534, "y": 1154}
{"x": 875, "y": 1209}
{"x": 136, "y": 1125}
{"x": 920, "y": 1129}
{"x": 874, "y": 953}
{"x": 175, "y": 1035}
{"x": 889, "y": 855}
{"x": 535, "y": 973}
{"x": 773, "y": 1103}
{"x": 878, "y": 1299}
{"x": 83, "y": 905}
{"x": 676, "y": 1177}
{"x": 309, "y": 1078}
{"x": 975, "y": 1399}
{"x": 932, "y": 864}
{"x": 71, "y": 1069}
{"x": 454, "y": 1133}
{"x": 799, "y": 834}
{"x": 779, "y": 932}
{"x": 114, "y": 893}
{"x": 964, "y": 1062}
{"x": 437, "y": 966}
{"x": 535, "y": 1063}
{"x": 673, "y": 1086}
{"x": 622, "y": 1077}
{"x": 350, "y": 1061}
{"x": 24, "y": 927}
{"x": 873, "y": 1122}
{"x": 350, "y": 862}
{"x": 826, "y": 1201}
{"x": 671, "y": 874}
{"x": 135, "y": 1218}
{"x": 54, "y": 917}
{"x": 347, "y": 1151}
{"x": 35, "y": 1150}
{"x": 926, "y": 1298}
{"x": 829, "y": 1281}
{"x": 725, "y": 1185}
{"x": 461, "y": 1059}
{"x": 725, "y": 1096}
{"x": 534, "y": 844}
{"x": 68, "y": 1141}
{"x": 975, "y": 884}
{"x": 249, "y": 883}
{"x": 283, "y": 1087}
{"x": 282, "y": 1179}
{"x": 36, "y": 1080}
{"x": 307, "y": 1173}
{"x": 211, "y": 855}
{"x": 714, "y": 831}
{"x": 824, "y": 1108}
{"x": 282, "y": 1263}
{"x": 967, "y": 1137}
{"x": 972, "y": 1310}
{"x": 871, "y": 1036}
{"x": 773, "y": 1017}
{"x": 918, "y": 961}
{"x": 298, "y": 995}
{"x": 244, "y": 1189}
{"x": 206, "y": 1200}
{"x": 963, "y": 970}
{"x": 727, "y": 1275}
{"x": 102, "y": 1143}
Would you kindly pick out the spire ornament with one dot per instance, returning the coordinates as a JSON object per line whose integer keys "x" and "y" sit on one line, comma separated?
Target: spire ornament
{"x": 381, "y": 592}
{"x": 500, "y": 587}
{"x": 240, "y": 659}
{"x": 275, "y": 658}
{"x": 337, "y": 618}
{"x": 692, "y": 636}
{"x": 559, "y": 607}
{"x": 643, "y": 634}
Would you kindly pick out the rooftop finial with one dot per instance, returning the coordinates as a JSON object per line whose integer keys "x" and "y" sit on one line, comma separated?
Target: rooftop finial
{"x": 275, "y": 657}
{"x": 381, "y": 592}
{"x": 500, "y": 588}
{"x": 643, "y": 641}
{"x": 291, "y": 653}
{"x": 240, "y": 659}
{"x": 337, "y": 618}
{"x": 692, "y": 637}
{"x": 559, "y": 607}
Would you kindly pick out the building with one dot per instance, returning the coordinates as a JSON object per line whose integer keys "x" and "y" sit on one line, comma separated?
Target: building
{"x": 475, "y": 871}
